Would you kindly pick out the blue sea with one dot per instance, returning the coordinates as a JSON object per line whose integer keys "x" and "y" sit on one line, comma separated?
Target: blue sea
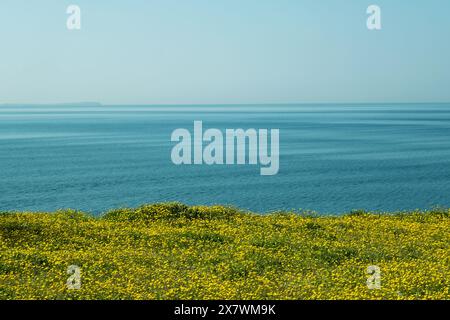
{"x": 333, "y": 158}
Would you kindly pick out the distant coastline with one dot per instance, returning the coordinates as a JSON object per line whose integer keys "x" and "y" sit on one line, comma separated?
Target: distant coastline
{"x": 71, "y": 104}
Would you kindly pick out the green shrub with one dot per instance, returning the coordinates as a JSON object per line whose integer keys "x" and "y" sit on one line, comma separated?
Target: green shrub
{"x": 168, "y": 211}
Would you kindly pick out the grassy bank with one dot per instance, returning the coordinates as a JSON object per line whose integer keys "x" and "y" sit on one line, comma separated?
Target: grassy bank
{"x": 171, "y": 251}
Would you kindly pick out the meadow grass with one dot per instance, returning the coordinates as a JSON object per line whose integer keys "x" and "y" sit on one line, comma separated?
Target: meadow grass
{"x": 173, "y": 251}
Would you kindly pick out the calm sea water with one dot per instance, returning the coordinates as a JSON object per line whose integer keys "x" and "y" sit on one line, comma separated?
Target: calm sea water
{"x": 334, "y": 158}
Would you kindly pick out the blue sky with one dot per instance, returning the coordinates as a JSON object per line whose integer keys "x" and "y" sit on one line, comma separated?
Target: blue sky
{"x": 224, "y": 51}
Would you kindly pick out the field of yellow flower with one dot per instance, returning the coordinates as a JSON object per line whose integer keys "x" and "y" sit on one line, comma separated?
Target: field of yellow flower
{"x": 172, "y": 251}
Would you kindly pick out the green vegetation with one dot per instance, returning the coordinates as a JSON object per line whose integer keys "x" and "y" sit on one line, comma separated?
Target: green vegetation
{"x": 172, "y": 251}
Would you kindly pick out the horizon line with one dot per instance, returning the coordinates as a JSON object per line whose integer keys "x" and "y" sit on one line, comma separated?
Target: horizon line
{"x": 95, "y": 103}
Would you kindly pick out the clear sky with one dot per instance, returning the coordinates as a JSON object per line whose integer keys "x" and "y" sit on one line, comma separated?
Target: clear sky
{"x": 224, "y": 51}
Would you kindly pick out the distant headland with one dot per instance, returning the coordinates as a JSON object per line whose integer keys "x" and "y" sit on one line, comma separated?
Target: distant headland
{"x": 69, "y": 104}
